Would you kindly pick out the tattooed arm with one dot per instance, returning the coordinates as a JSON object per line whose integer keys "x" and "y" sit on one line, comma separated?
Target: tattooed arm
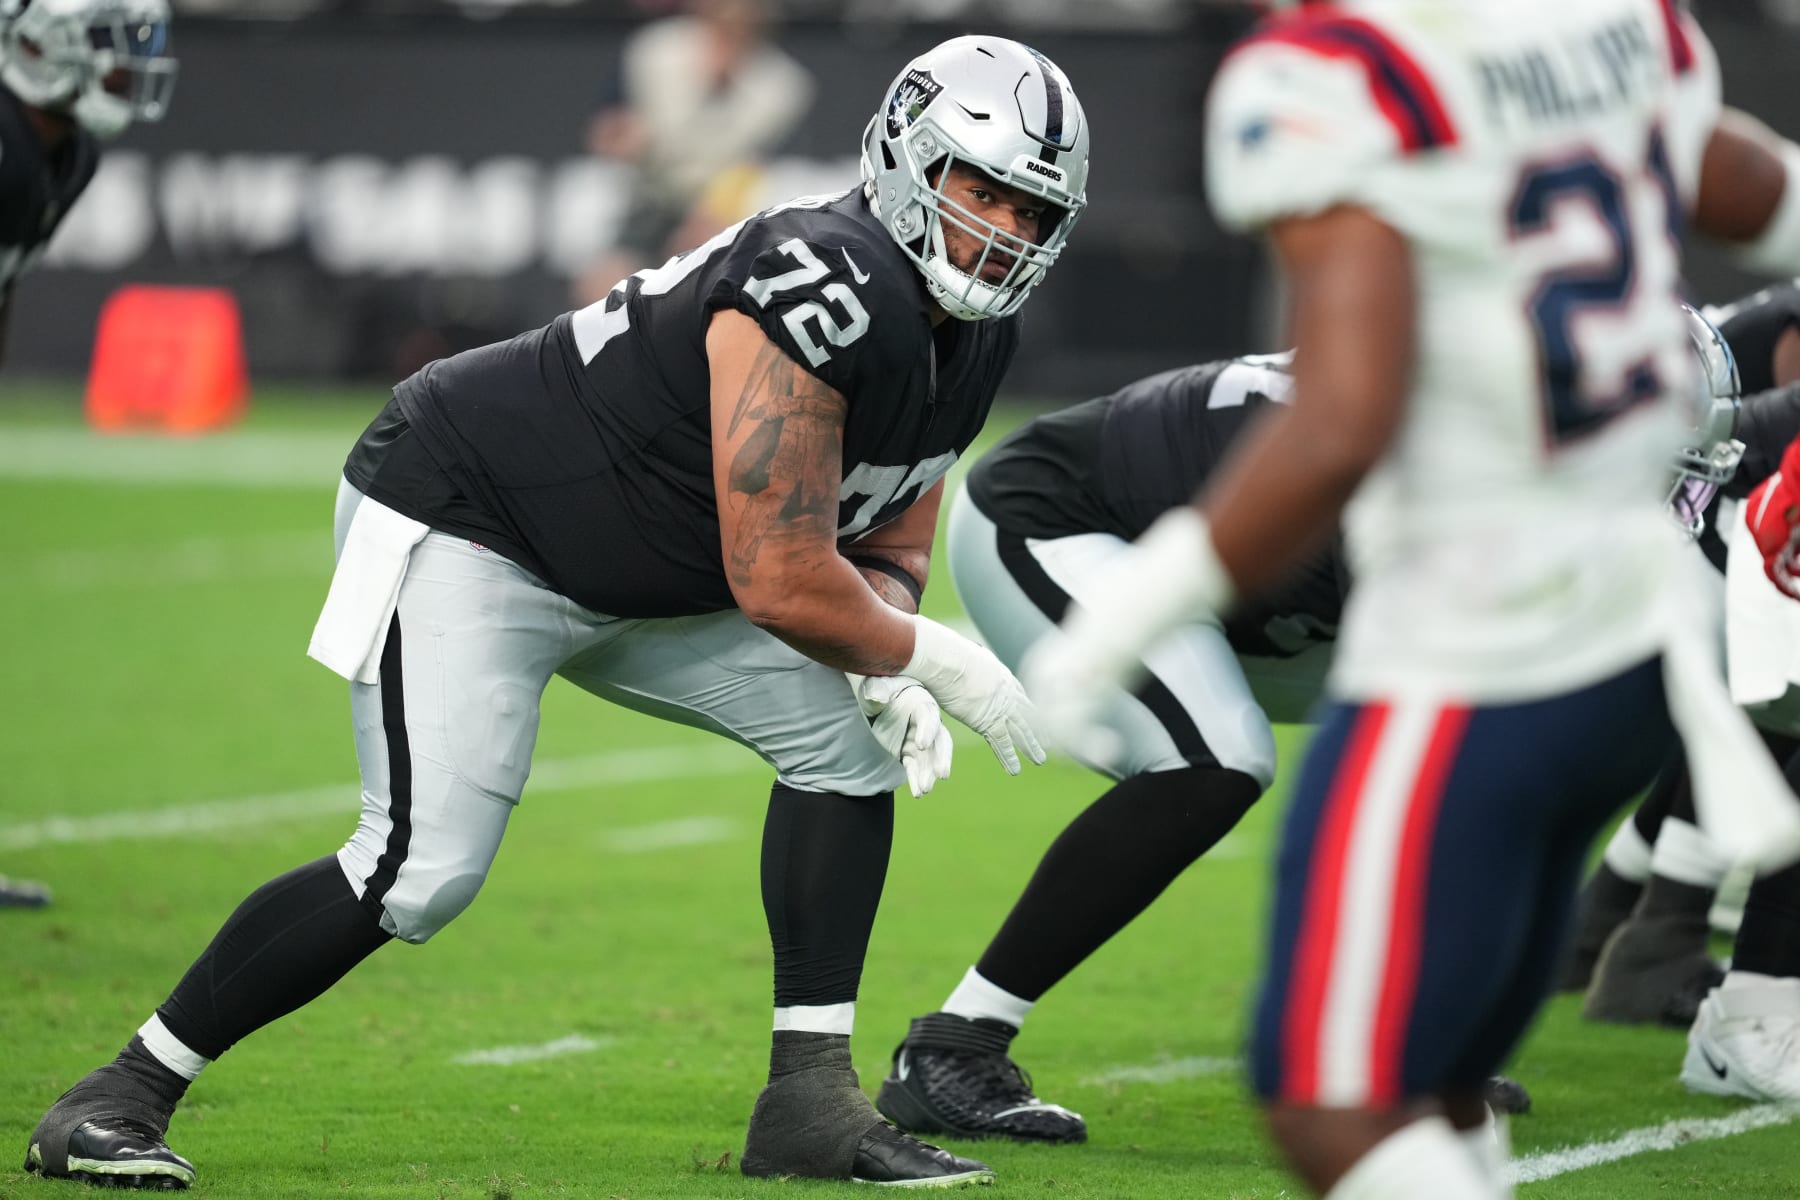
{"x": 902, "y": 547}
{"x": 778, "y": 442}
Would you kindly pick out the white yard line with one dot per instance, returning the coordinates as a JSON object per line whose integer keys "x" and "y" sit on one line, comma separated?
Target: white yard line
{"x": 1528, "y": 1168}
{"x": 507, "y": 1056}
{"x": 1166, "y": 1071}
{"x": 188, "y": 561}
{"x": 1670, "y": 1135}
{"x": 667, "y": 835}
{"x": 342, "y": 800}
{"x": 235, "y": 459}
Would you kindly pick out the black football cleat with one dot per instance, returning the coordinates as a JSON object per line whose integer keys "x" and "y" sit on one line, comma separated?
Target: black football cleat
{"x": 888, "y": 1158}
{"x": 115, "y": 1152}
{"x": 22, "y": 893}
{"x": 109, "y": 1128}
{"x": 1505, "y": 1096}
{"x": 952, "y": 1076}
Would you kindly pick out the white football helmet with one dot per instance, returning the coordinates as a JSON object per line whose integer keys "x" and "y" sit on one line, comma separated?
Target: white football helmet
{"x": 1005, "y": 109}
{"x": 104, "y": 62}
{"x": 1712, "y": 454}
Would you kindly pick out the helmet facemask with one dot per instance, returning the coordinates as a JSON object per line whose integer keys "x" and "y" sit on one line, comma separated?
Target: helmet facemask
{"x": 1712, "y": 454}
{"x": 970, "y": 295}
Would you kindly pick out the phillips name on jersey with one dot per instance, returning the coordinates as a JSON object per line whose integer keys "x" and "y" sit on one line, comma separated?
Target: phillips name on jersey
{"x": 584, "y": 450}
{"x": 1538, "y": 157}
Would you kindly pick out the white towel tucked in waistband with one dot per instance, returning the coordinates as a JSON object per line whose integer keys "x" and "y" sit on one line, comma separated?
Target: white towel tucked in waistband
{"x": 1743, "y": 803}
{"x": 1762, "y": 627}
{"x": 365, "y": 589}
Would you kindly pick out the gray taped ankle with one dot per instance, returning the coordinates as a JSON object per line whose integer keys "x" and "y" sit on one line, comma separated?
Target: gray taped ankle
{"x": 812, "y": 1115}
{"x": 107, "y": 1093}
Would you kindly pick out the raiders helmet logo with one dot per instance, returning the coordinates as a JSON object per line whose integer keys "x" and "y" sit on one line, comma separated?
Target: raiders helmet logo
{"x": 912, "y": 96}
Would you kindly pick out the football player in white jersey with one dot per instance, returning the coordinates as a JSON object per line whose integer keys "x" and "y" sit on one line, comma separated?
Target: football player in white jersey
{"x": 1477, "y": 208}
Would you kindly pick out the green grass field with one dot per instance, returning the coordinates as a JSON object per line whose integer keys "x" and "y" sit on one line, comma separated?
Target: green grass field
{"x": 168, "y": 747}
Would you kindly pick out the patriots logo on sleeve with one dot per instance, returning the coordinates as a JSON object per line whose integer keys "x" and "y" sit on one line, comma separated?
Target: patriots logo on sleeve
{"x": 1257, "y": 131}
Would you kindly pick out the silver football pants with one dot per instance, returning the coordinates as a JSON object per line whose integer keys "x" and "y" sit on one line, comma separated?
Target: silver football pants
{"x": 1203, "y": 704}
{"x": 444, "y": 739}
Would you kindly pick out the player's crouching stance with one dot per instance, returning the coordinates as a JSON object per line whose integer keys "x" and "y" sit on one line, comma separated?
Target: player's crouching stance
{"x": 1502, "y": 454}
{"x": 709, "y": 497}
{"x": 1189, "y": 749}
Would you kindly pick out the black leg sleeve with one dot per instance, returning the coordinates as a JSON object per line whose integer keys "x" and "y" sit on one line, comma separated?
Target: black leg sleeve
{"x": 1106, "y": 868}
{"x": 287, "y": 942}
{"x": 1768, "y": 942}
{"x": 824, "y": 860}
{"x": 1670, "y": 795}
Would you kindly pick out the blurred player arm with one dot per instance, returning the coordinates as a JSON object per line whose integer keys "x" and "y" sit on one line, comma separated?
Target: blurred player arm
{"x": 1749, "y": 193}
{"x": 895, "y": 560}
{"x": 778, "y": 438}
{"x": 1351, "y": 323}
{"x": 1767, "y": 423}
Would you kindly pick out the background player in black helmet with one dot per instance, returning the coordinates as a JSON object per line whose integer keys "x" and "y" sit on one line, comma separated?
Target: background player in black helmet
{"x": 691, "y": 498}
{"x": 72, "y": 74}
{"x": 1642, "y": 951}
{"x": 1190, "y": 750}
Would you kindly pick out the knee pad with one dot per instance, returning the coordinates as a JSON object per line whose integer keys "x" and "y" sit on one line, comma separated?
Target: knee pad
{"x": 414, "y": 913}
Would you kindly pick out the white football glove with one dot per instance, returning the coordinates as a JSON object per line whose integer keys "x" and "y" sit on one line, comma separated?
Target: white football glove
{"x": 908, "y": 724}
{"x": 1171, "y": 575}
{"x": 976, "y": 688}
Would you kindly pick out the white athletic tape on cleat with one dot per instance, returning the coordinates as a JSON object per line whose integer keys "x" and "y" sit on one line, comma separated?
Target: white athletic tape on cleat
{"x": 507, "y": 1056}
{"x": 1670, "y": 1135}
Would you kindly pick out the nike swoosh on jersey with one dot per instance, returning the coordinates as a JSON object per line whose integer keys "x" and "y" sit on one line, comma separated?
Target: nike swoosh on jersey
{"x": 858, "y": 273}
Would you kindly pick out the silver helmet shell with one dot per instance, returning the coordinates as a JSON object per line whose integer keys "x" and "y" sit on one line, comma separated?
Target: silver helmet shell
{"x": 1005, "y": 109}
{"x": 104, "y": 62}
{"x": 1711, "y": 456}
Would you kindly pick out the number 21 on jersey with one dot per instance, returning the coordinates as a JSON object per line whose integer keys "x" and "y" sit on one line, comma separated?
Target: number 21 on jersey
{"x": 1575, "y": 402}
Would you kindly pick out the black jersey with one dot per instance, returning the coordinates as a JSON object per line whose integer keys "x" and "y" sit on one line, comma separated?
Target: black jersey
{"x": 584, "y": 449}
{"x": 37, "y": 187}
{"x": 1115, "y": 464}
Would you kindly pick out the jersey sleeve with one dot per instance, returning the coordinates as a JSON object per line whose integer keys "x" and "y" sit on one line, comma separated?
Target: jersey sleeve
{"x": 1297, "y": 123}
{"x": 828, "y": 305}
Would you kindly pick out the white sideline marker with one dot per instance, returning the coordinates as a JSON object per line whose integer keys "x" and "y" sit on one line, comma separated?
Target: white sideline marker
{"x": 507, "y": 1056}
{"x": 341, "y": 800}
{"x": 1670, "y": 1135}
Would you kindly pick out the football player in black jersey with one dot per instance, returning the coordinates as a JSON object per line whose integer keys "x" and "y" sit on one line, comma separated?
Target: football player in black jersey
{"x": 1642, "y": 950}
{"x": 72, "y": 74}
{"x": 57, "y": 64}
{"x": 709, "y": 497}
{"x": 1190, "y": 750}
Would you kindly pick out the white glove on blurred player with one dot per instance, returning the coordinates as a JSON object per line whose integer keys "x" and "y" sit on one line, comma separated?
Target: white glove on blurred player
{"x": 976, "y": 688}
{"x": 908, "y": 724}
{"x": 1170, "y": 576}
